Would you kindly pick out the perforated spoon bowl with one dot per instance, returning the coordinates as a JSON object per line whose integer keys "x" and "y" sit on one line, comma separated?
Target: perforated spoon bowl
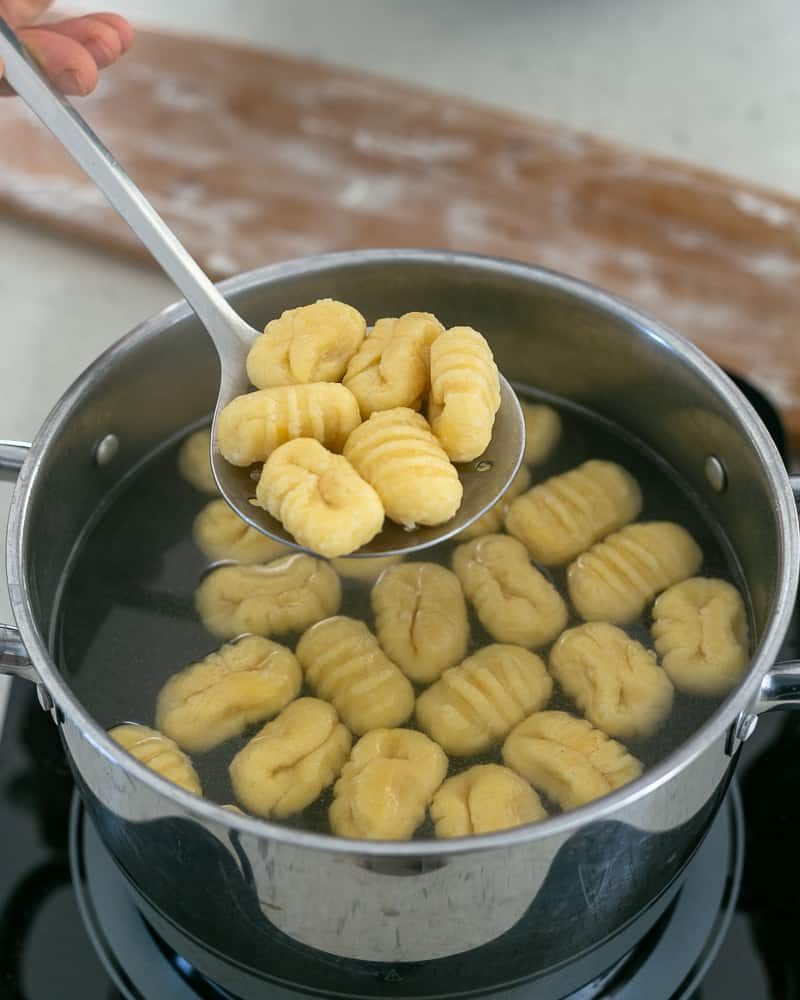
{"x": 484, "y": 480}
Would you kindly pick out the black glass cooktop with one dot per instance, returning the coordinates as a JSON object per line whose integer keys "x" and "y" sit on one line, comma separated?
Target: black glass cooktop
{"x": 52, "y": 929}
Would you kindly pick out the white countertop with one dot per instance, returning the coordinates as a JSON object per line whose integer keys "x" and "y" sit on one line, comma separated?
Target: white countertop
{"x": 715, "y": 82}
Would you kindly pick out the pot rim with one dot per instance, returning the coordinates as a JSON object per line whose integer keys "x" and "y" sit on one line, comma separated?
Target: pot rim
{"x": 20, "y": 528}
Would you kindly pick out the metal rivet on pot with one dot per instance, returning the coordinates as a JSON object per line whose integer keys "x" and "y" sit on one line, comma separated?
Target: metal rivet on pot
{"x": 715, "y": 474}
{"x": 106, "y": 449}
{"x": 45, "y": 701}
{"x": 483, "y": 466}
{"x": 746, "y": 727}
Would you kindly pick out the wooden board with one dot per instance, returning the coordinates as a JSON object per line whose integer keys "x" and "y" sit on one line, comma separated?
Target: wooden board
{"x": 254, "y": 157}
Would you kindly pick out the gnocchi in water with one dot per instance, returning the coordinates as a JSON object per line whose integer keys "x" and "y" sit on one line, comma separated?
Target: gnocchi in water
{"x": 700, "y": 632}
{"x": 567, "y": 759}
{"x": 563, "y": 516}
{"x": 392, "y": 367}
{"x": 616, "y": 579}
{"x": 387, "y": 785}
{"x": 319, "y": 498}
{"x": 398, "y": 455}
{"x": 492, "y": 521}
{"x": 286, "y": 765}
{"x": 483, "y": 799}
{"x": 159, "y": 753}
{"x": 421, "y": 619}
{"x": 542, "y": 431}
{"x": 221, "y": 534}
{"x": 312, "y": 343}
{"x": 465, "y": 393}
{"x": 194, "y": 462}
{"x": 252, "y": 426}
{"x": 219, "y": 697}
{"x": 513, "y": 600}
{"x": 613, "y": 680}
{"x": 477, "y": 703}
{"x": 344, "y": 664}
{"x": 285, "y": 595}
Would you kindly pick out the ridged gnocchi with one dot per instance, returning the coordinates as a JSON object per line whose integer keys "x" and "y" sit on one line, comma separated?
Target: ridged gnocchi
{"x": 465, "y": 393}
{"x": 194, "y": 462}
{"x": 289, "y": 762}
{"x": 613, "y": 680}
{"x": 365, "y": 570}
{"x": 562, "y": 517}
{"x": 492, "y": 521}
{"x": 218, "y": 697}
{"x": 386, "y": 786}
{"x": 159, "y": 753}
{"x": 483, "y": 799}
{"x": 700, "y": 631}
{"x": 319, "y": 498}
{"x": 567, "y": 759}
{"x": 476, "y": 704}
{"x": 395, "y": 451}
{"x": 421, "y": 619}
{"x": 542, "y": 431}
{"x": 221, "y": 534}
{"x": 312, "y": 343}
{"x": 616, "y": 579}
{"x": 392, "y": 366}
{"x": 345, "y": 665}
{"x": 252, "y": 426}
{"x": 285, "y": 595}
{"x": 513, "y": 600}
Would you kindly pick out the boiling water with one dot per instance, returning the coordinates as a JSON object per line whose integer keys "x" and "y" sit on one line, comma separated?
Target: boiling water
{"x": 127, "y": 620}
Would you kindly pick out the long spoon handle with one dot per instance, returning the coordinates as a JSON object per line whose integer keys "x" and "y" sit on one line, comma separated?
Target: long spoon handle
{"x": 226, "y": 328}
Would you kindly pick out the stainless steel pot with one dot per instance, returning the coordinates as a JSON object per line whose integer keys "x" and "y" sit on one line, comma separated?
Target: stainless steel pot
{"x": 251, "y": 893}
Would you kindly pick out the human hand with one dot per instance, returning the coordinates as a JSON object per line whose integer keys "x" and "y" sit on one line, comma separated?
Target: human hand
{"x": 70, "y": 52}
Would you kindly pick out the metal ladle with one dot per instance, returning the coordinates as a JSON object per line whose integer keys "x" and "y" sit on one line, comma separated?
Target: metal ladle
{"x": 484, "y": 480}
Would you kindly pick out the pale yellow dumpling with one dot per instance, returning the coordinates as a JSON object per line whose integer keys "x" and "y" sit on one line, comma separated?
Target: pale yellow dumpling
{"x": 514, "y": 601}
{"x": 392, "y": 366}
{"x": 421, "y": 619}
{"x": 613, "y": 680}
{"x": 542, "y": 431}
{"x": 398, "y": 455}
{"x": 252, "y": 426}
{"x": 700, "y": 632}
{"x": 319, "y": 498}
{"x": 387, "y": 785}
{"x": 465, "y": 393}
{"x": 312, "y": 343}
{"x": 285, "y": 595}
{"x": 492, "y": 521}
{"x": 221, "y": 534}
{"x": 563, "y": 516}
{"x": 194, "y": 462}
{"x": 483, "y": 799}
{"x": 218, "y": 697}
{"x": 476, "y": 704}
{"x": 345, "y": 665}
{"x": 289, "y": 762}
{"x": 365, "y": 570}
{"x": 567, "y": 759}
{"x": 159, "y": 753}
{"x": 617, "y": 578}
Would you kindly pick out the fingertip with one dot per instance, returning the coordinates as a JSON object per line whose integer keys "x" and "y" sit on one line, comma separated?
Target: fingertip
{"x": 122, "y": 27}
{"x": 65, "y": 61}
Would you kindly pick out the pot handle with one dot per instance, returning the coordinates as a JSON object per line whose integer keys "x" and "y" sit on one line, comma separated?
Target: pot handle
{"x": 14, "y": 658}
{"x": 781, "y": 686}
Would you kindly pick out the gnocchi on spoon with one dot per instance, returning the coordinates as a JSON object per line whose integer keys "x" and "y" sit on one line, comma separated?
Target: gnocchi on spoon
{"x": 483, "y": 480}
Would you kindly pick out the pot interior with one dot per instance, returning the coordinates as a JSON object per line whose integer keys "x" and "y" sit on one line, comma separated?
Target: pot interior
{"x": 546, "y": 333}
